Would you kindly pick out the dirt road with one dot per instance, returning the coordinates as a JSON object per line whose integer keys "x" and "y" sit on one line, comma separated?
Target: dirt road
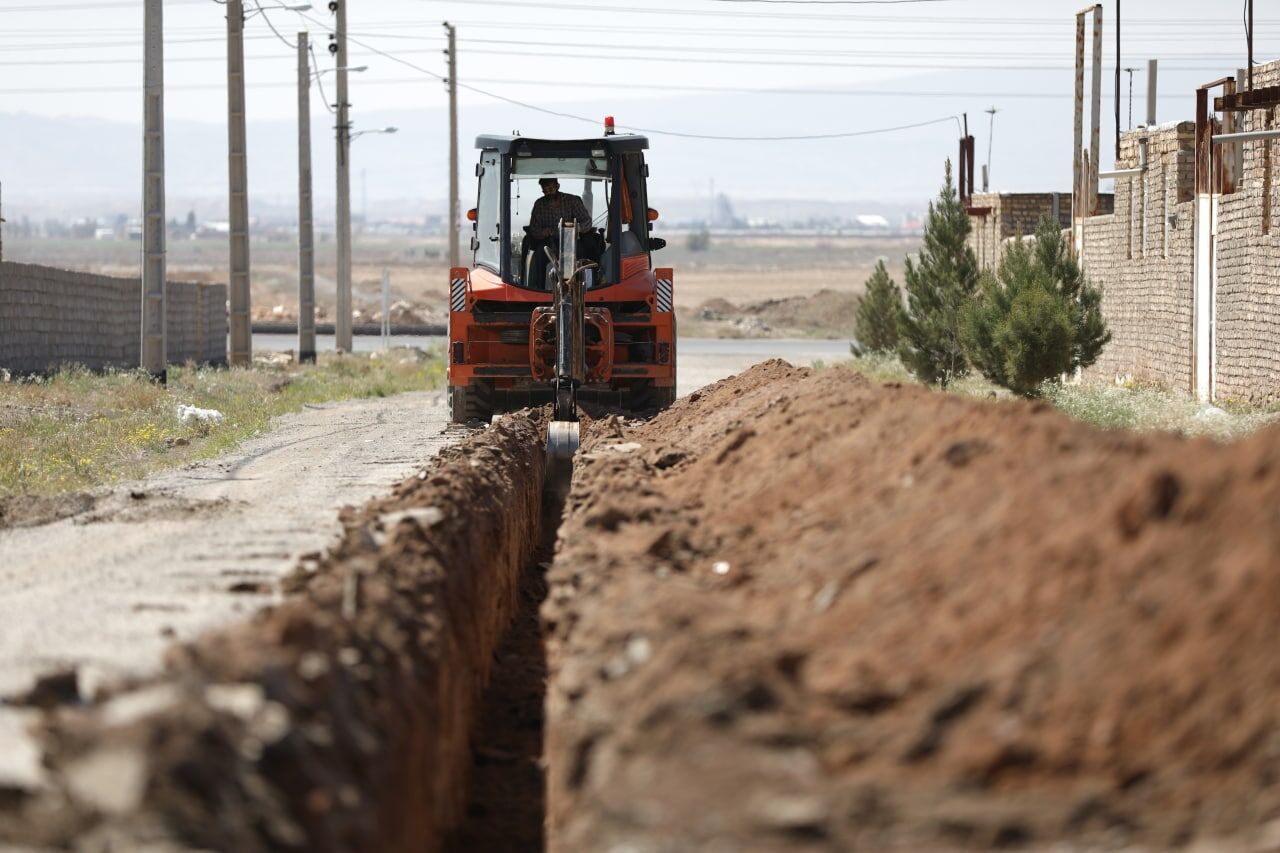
{"x": 103, "y": 593}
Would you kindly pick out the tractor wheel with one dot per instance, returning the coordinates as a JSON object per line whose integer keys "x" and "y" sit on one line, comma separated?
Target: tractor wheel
{"x": 650, "y": 398}
{"x": 663, "y": 397}
{"x": 469, "y": 403}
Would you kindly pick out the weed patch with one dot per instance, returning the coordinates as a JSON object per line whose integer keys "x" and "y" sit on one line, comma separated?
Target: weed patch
{"x": 76, "y": 430}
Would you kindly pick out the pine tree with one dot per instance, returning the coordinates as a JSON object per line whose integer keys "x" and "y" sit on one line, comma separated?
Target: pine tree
{"x": 875, "y": 326}
{"x": 939, "y": 285}
{"x": 1037, "y": 318}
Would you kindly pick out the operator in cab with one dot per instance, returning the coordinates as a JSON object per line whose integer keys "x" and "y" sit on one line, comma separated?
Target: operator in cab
{"x": 543, "y": 231}
{"x": 553, "y": 207}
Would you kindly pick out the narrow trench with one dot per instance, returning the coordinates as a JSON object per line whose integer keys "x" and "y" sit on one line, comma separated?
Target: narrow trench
{"x": 506, "y": 804}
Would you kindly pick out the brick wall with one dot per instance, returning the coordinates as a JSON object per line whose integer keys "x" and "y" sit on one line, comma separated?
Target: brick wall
{"x": 1141, "y": 252}
{"x": 50, "y": 317}
{"x": 1007, "y": 216}
{"x": 1248, "y": 263}
{"x": 1141, "y": 256}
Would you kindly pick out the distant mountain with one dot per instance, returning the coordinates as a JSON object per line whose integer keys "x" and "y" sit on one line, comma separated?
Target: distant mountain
{"x": 70, "y": 166}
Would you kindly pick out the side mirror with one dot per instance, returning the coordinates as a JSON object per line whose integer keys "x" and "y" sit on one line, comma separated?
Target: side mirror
{"x": 656, "y": 243}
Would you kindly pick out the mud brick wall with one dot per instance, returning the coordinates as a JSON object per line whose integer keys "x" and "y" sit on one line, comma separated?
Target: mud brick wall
{"x": 1141, "y": 256}
{"x": 51, "y": 317}
{"x": 1248, "y": 262}
{"x": 1014, "y": 215}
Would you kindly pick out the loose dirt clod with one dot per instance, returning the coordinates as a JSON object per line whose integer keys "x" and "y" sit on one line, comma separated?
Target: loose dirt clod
{"x": 945, "y": 624}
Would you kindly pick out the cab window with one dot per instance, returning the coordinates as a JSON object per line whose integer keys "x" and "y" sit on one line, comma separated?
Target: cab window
{"x": 488, "y": 212}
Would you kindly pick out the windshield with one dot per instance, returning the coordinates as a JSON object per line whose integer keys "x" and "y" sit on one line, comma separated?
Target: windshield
{"x": 586, "y": 178}
{"x": 608, "y": 189}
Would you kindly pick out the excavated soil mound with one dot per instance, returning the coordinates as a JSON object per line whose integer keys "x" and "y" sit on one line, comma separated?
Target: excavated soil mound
{"x": 337, "y": 721}
{"x": 799, "y": 610}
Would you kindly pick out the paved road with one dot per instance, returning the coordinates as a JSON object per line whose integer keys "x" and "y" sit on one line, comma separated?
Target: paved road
{"x": 104, "y": 592}
{"x": 702, "y": 360}
{"x": 706, "y": 360}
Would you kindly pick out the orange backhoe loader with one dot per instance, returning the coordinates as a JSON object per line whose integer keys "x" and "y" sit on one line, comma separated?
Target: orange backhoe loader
{"x": 565, "y": 314}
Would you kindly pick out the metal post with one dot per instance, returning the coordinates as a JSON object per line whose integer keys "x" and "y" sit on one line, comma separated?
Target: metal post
{"x": 1249, "y": 33}
{"x": 306, "y": 227}
{"x": 154, "y": 342}
{"x": 455, "y": 250}
{"x": 1203, "y": 251}
{"x": 386, "y": 309}
{"x": 1095, "y": 135}
{"x": 238, "y": 173}
{"x": 1077, "y": 151}
{"x": 1152, "y": 69}
{"x": 343, "y": 319}
{"x": 991, "y": 135}
{"x": 1117, "y": 160}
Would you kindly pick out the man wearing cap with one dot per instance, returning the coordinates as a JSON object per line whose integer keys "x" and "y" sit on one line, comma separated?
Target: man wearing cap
{"x": 553, "y": 207}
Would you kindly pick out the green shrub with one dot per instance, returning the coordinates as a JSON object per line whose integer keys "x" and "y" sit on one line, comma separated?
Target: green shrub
{"x": 698, "y": 241}
{"x": 1037, "y": 318}
{"x": 939, "y": 285}
{"x": 875, "y": 325}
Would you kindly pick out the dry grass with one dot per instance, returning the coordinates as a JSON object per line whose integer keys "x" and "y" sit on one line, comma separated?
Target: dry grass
{"x": 1143, "y": 408}
{"x": 76, "y": 429}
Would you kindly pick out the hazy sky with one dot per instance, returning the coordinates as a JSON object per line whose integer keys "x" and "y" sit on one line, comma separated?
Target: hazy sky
{"x": 67, "y": 58}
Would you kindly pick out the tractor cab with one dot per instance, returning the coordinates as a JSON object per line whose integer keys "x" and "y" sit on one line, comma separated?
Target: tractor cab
{"x": 541, "y": 203}
{"x": 606, "y": 175}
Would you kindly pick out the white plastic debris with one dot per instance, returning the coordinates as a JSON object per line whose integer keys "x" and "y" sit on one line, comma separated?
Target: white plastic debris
{"x": 721, "y": 568}
{"x": 194, "y": 414}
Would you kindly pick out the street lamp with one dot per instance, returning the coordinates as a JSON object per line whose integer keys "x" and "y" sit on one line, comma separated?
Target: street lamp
{"x": 356, "y": 69}
{"x": 283, "y": 7}
{"x": 361, "y": 133}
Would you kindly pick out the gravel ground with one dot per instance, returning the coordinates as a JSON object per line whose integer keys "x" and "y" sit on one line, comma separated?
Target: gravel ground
{"x": 104, "y": 592}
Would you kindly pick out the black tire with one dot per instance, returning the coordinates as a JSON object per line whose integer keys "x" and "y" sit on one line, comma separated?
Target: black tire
{"x": 470, "y": 403}
{"x": 650, "y": 398}
{"x": 663, "y": 397}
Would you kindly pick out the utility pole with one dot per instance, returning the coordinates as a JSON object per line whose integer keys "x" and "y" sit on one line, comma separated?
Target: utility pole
{"x": 154, "y": 343}
{"x": 339, "y": 49}
{"x": 238, "y": 170}
{"x": 991, "y": 135}
{"x": 455, "y": 252}
{"x": 306, "y": 227}
{"x": 1095, "y": 156}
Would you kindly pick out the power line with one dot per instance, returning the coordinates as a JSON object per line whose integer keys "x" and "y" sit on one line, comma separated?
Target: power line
{"x": 791, "y": 16}
{"x": 560, "y": 114}
{"x": 621, "y": 85}
{"x": 1225, "y": 55}
{"x": 267, "y": 19}
{"x": 315, "y": 66}
{"x": 835, "y": 2}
